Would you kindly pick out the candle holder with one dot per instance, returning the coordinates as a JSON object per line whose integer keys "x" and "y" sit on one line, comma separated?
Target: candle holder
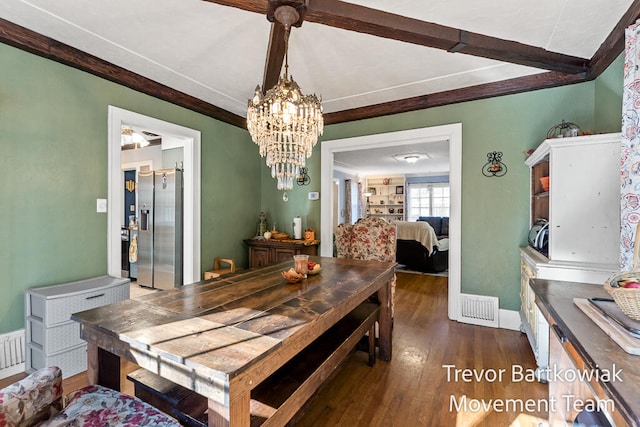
{"x": 494, "y": 165}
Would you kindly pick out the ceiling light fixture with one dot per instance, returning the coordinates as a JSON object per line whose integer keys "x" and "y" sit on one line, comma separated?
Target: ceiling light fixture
{"x": 128, "y": 137}
{"x": 411, "y": 158}
{"x": 283, "y": 122}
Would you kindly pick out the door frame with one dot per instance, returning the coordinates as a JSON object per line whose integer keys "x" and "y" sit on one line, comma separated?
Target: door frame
{"x": 176, "y": 136}
{"x": 451, "y": 133}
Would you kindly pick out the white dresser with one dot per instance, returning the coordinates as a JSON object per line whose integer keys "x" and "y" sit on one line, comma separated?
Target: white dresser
{"x": 52, "y": 338}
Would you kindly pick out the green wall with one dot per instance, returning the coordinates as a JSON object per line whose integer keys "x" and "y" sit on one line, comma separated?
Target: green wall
{"x": 298, "y": 203}
{"x": 53, "y": 142}
{"x": 495, "y": 211}
{"x": 53, "y": 145}
{"x": 608, "y": 95}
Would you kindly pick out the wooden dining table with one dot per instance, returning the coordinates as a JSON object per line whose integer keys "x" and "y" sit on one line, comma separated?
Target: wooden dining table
{"x": 222, "y": 338}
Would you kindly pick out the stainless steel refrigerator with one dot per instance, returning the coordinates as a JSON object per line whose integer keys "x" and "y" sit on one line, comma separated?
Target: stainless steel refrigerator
{"x": 160, "y": 228}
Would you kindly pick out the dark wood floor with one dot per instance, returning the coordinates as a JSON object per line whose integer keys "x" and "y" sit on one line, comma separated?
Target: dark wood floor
{"x": 413, "y": 389}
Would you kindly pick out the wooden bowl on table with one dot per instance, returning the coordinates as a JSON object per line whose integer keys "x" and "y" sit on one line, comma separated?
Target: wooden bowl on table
{"x": 291, "y": 276}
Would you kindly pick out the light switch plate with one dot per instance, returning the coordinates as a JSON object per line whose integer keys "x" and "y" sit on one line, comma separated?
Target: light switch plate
{"x": 101, "y": 205}
{"x": 314, "y": 195}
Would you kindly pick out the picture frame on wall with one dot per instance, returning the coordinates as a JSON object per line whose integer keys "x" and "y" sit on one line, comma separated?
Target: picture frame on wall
{"x": 399, "y": 189}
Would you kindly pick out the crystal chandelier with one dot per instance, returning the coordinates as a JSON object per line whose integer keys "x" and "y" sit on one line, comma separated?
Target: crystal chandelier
{"x": 283, "y": 122}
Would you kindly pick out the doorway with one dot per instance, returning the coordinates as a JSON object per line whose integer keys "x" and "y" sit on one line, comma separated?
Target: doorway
{"x": 174, "y": 136}
{"x": 451, "y": 133}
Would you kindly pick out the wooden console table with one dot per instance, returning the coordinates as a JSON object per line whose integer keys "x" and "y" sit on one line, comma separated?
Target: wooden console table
{"x": 264, "y": 252}
{"x": 224, "y": 338}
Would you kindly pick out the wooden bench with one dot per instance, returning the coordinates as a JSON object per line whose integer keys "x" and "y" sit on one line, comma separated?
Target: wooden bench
{"x": 179, "y": 402}
{"x": 281, "y": 396}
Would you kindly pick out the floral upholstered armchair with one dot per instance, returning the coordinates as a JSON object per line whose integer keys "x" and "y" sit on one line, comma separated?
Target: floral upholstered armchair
{"x": 36, "y": 400}
{"x": 371, "y": 239}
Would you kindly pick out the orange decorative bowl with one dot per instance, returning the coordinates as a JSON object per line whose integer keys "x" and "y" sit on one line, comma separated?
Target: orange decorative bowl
{"x": 545, "y": 183}
{"x": 279, "y": 236}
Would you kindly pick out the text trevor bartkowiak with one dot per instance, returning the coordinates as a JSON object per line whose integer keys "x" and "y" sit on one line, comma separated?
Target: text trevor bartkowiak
{"x": 518, "y": 374}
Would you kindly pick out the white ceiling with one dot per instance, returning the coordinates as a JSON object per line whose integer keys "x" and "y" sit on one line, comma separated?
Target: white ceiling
{"x": 217, "y": 53}
{"x": 376, "y": 161}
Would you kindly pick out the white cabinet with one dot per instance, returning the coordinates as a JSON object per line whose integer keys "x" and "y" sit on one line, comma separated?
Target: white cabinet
{"x": 583, "y": 205}
{"x": 534, "y": 323}
{"x": 386, "y": 197}
{"x": 52, "y": 337}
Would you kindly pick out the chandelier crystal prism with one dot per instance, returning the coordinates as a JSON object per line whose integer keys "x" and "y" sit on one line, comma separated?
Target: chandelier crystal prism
{"x": 285, "y": 123}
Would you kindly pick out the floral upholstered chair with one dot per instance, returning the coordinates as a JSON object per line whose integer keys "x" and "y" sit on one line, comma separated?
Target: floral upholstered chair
{"x": 36, "y": 400}
{"x": 371, "y": 239}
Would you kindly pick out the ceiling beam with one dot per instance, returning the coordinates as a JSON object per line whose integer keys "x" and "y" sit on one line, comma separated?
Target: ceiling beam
{"x": 378, "y": 23}
{"x": 610, "y": 49}
{"x": 613, "y": 46}
{"x": 37, "y": 44}
{"x": 275, "y": 56}
{"x": 30, "y": 41}
{"x": 506, "y": 87}
{"x": 374, "y": 22}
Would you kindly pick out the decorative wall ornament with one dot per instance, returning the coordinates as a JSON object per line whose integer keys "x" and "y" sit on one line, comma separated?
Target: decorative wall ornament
{"x": 303, "y": 178}
{"x": 564, "y": 130}
{"x": 494, "y": 165}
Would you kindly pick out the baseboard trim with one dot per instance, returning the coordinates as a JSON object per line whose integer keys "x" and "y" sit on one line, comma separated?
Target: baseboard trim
{"x": 509, "y": 319}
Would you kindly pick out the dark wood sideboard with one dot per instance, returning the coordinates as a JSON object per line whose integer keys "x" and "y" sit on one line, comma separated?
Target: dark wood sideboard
{"x": 264, "y": 252}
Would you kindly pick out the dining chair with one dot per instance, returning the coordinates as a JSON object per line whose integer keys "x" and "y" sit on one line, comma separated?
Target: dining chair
{"x": 371, "y": 238}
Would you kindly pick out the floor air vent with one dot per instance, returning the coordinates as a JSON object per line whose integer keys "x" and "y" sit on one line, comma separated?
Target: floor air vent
{"x": 479, "y": 310}
{"x": 12, "y": 356}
